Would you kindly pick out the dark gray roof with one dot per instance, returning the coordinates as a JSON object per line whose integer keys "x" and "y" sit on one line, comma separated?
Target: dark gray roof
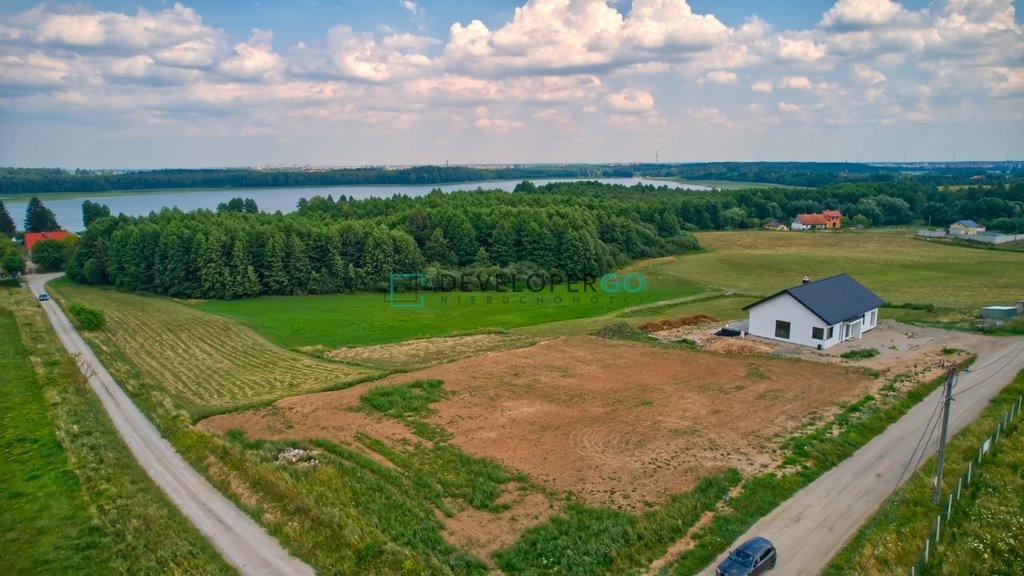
{"x": 832, "y": 299}
{"x": 969, "y": 223}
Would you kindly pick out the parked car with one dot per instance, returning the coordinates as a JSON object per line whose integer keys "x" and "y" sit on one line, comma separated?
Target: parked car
{"x": 755, "y": 556}
{"x": 43, "y": 296}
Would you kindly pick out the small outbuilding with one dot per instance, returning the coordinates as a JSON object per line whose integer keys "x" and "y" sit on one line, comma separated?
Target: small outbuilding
{"x": 969, "y": 227}
{"x": 819, "y": 313}
{"x": 999, "y": 312}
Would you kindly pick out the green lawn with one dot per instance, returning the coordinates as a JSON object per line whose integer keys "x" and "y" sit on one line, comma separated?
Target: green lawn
{"x": 47, "y": 526}
{"x": 364, "y": 319}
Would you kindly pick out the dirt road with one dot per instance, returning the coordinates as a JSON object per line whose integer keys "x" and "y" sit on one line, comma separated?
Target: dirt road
{"x": 239, "y": 539}
{"x": 812, "y": 526}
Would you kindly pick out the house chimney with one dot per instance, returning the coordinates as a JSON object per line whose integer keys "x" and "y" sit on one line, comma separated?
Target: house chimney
{"x": 806, "y": 280}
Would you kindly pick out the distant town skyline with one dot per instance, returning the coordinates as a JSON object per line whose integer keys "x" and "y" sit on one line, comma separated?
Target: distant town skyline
{"x": 151, "y": 84}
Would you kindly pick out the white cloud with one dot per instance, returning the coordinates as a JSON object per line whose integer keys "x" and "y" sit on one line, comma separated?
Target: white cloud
{"x": 721, "y": 77}
{"x": 711, "y": 116}
{"x": 762, "y": 86}
{"x": 413, "y": 7}
{"x": 789, "y": 107}
{"x": 861, "y": 13}
{"x": 799, "y": 47}
{"x": 631, "y": 100}
{"x": 864, "y": 74}
{"x": 254, "y": 59}
{"x": 796, "y": 83}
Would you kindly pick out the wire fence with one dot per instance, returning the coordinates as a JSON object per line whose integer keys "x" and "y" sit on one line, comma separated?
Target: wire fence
{"x": 942, "y": 518}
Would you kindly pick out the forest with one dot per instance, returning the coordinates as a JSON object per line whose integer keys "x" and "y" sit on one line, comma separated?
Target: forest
{"x": 576, "y": 229}
{"x": 806, "y": 174}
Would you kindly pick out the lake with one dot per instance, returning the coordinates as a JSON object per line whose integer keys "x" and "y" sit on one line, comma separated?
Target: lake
{"x": 69, "y": 210}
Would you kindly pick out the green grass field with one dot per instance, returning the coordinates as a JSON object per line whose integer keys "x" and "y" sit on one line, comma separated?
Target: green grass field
{"x": 898, "y": 268}
{"x": 73, "y": 500}
{"x": 363, "y": 319}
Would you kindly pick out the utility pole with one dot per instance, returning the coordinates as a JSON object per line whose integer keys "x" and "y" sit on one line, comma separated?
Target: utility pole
{"x": 947, "y": 401}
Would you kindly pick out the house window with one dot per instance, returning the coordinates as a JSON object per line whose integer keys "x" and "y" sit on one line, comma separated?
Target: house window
{"x": 873, "y": 312}
{"x": 818, "y": 333}
{"x": 831, "y": 332}
{"x": 782, "y": 329}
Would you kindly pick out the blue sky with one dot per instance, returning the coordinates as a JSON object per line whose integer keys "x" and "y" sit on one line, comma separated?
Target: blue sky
{"x": 112, "y": 84}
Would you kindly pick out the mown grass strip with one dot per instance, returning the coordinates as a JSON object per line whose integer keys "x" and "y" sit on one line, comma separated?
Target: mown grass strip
{"x": 815, "y": 453}
{"x": 893, "y": 545}
{"x": 207, "y": 363}
{"x": 83, "y": 505}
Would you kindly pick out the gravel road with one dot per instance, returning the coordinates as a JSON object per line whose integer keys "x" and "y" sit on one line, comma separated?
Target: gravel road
{"x": 812, "y": 526}
{"x": 238, "y": 538}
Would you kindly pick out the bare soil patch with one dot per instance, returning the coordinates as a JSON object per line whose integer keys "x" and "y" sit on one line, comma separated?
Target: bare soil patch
{"x": 427, "y": 351}
{"x": 617, "y": 423}
{"x": 486, "y": 532}
{"x": 669, "y": 323}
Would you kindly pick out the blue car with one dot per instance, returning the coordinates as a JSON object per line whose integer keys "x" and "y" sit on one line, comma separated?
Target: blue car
{"x": 755, "y": 556}
{"x": 43, "y": 297}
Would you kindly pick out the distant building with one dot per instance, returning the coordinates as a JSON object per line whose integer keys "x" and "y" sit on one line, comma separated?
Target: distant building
{"x": 966, "y": 227}
{"x": 833, "y": 218}
{"x": 32, "y": 237}
{"x": 822, "y": 313}
{"x": 809, "y": 222}
{"x": 774, "y": 224}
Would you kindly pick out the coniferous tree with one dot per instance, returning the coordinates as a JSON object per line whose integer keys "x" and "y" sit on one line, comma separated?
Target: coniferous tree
{"x": 7, "y": 227}
{"x": 39, "y": 218}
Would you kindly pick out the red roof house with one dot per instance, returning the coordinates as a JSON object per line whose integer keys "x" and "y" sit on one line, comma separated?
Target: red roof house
{"x": 834, "y": 218}
{"x": 32, "y": 237}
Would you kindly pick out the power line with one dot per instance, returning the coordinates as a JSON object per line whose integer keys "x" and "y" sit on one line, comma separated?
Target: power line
{"x": 993, "y": 374}
{"x": 888, "y": 509}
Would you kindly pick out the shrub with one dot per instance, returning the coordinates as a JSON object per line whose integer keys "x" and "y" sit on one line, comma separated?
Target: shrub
{"x": 859, "y": 354}
{"x": 87, "y": 317}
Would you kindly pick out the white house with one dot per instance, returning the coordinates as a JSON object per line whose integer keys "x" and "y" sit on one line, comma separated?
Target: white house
{"x": 822, "y": 313}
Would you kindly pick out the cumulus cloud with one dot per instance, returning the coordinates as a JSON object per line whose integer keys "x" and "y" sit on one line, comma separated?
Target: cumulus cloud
{"x": 762, "y": 86}
{"x": 121, "y": 33}
{"x": 721, "y": 77}
{"x": 796, "y": 83}
{"x": 254, "y": 59}
{"x": 547, "y": 36}
{"x": 864, "y": 74}
{"x": 631, "y": 100}
{"x": 851, "y": 14}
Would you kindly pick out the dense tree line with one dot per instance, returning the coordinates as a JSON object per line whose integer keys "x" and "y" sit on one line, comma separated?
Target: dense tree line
{"x": 808, "y": 174}
{"x": 328, "y": 246}
{"x": 572, "y": 228}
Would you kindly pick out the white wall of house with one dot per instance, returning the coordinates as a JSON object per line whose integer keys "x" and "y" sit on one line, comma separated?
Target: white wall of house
{"x": 802, "y": 323}
{"x": 796, "y": 225}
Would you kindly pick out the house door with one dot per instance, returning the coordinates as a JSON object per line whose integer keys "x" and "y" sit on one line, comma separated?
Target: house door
{"x": 853, "y": 330}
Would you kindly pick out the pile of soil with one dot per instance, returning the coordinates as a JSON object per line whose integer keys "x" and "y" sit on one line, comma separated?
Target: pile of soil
{"x": 670, "y": 323}
{"x": 618, "y": 331}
